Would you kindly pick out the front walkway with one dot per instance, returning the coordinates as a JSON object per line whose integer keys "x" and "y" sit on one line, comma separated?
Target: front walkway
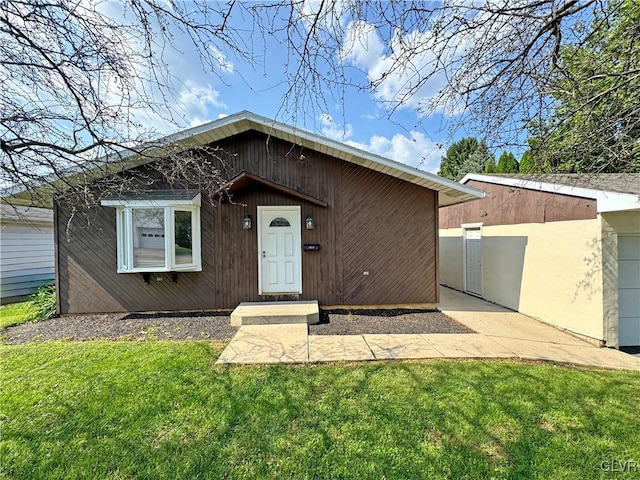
{"x": 501, "y": 333}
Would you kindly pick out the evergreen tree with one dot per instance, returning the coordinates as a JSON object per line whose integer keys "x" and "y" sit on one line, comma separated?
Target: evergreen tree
{"x": 528, "y": 164}
{"x": 507, "y": 163}
{"x": 490, "y": 167}
{"x": 467, "y": 155}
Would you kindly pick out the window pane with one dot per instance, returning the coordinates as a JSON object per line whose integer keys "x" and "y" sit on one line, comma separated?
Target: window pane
{"x": 279, "y": 222}
{"x": 183, "y": 240}
{"x": 148, "y": 237}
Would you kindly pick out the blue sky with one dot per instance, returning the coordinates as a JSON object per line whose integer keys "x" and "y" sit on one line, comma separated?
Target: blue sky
{"x": 360, "y": 119}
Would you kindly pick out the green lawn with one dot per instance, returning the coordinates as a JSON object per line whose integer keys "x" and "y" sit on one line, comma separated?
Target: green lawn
{"x": 164, "y": 410}
{"x": 15, "y": 313}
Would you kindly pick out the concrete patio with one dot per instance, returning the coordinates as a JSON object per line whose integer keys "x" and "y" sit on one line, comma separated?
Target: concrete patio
{"x": 501, "y": 333}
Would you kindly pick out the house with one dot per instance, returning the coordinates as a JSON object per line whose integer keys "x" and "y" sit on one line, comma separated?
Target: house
{"x": 300, "y": 217}
{"x": 564, "y": 249}
{"x": 26, "y": 251}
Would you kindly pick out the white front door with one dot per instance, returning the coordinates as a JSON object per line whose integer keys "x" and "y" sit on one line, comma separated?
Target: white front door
{"x": 628, "y": 290}
{"x": 279, "y": 250}
{"x": 473, "y": 257}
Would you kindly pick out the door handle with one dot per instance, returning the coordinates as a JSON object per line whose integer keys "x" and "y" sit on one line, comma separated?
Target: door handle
{"x": 264, "y": 254}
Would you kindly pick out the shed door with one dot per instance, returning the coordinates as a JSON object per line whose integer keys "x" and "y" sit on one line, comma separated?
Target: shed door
{"x": 629, "y": 290}
{"x": 473, "y": 255}
{"x": 280, "y": 262}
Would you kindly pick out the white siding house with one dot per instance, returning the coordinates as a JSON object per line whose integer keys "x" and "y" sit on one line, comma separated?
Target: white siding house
{"x": 26, "y": 251}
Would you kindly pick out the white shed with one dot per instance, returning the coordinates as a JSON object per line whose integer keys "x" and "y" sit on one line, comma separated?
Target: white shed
{"x": 26, "y": 251}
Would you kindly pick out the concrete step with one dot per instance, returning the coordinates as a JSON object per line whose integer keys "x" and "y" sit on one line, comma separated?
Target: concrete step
{"x": 274, "y": 313}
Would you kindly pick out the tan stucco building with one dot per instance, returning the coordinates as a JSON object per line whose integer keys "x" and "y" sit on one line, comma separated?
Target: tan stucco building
{"x": 564, "y": 249}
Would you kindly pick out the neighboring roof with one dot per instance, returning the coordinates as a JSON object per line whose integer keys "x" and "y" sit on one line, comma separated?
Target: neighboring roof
{"x": 606, "y": 182}
{"x": 613, "y": 191}
{"x": 449, "y": 192}
{"x": 245, "y": 179}
{"x": 10, "y": 213}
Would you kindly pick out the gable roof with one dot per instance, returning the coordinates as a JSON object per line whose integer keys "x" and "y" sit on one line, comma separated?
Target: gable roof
{"x": 246, "y": 179}
{"x": 612, "y": 191}
{"x": 450, "y": 192}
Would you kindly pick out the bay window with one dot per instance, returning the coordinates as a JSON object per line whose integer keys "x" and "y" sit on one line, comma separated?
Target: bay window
{"x": 158, "y": 231}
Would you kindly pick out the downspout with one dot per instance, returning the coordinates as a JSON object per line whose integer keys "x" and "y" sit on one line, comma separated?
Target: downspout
{"x": 56, "y": 252}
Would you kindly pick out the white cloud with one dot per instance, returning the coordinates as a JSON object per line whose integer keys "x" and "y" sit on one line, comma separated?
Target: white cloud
{"x": 406, "y": 72}
{"x": 330, "y": 16}
{"x": 194, "y": 101}
{"x": 225, "y": 65}
{"x": 158, "y": 100}
{"x": 331, "y": 129}
{"x": 362, "y": 45}
{"x": 415, "y": 150}
{"x": 191, "y": 107}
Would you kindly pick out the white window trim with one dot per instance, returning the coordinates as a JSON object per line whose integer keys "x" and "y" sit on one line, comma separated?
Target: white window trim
{"x": 471, "y": 226}
{"x": 124, "y": 226}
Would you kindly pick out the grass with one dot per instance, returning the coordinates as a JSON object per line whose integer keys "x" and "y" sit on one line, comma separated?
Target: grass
{"x": 163, "y": 410}
{"x": 41, "y": 306}
{"x": 183, "y": 250}
{"x": 15, "y": 313}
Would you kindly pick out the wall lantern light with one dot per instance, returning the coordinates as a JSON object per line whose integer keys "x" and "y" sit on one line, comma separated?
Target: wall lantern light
{"x": 310, "y": 223}
{"x": 246, "y": 222}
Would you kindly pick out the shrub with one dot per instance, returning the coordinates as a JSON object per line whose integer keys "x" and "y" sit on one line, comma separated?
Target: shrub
{"x": 44, "y": 303}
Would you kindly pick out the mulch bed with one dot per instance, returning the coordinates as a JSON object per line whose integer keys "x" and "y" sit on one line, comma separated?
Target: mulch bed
{"x": 215, "y": 326}
{"x": 122, "y": 326}
{"x": 396, "y": 321}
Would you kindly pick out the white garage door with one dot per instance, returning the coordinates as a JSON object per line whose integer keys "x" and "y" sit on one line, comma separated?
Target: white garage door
{"x": 629, "y": 290}
{"x": 152, "y": 238}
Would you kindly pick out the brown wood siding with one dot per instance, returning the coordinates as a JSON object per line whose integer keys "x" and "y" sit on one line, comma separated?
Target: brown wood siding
{"x": 506, "y": 205}
{"x": 373, "y": 222}
{"x": 387, "y": 230}
{"x": 234, "y": 252}
{"x": 436, "y": 241}
{"x": 89, "y": 281}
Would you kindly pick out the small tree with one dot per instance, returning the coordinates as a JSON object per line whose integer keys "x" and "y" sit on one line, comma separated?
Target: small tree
{"x": 528, "y": 164}
{"x": 507, "y": 163}
{"x": 490, "y": 167}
